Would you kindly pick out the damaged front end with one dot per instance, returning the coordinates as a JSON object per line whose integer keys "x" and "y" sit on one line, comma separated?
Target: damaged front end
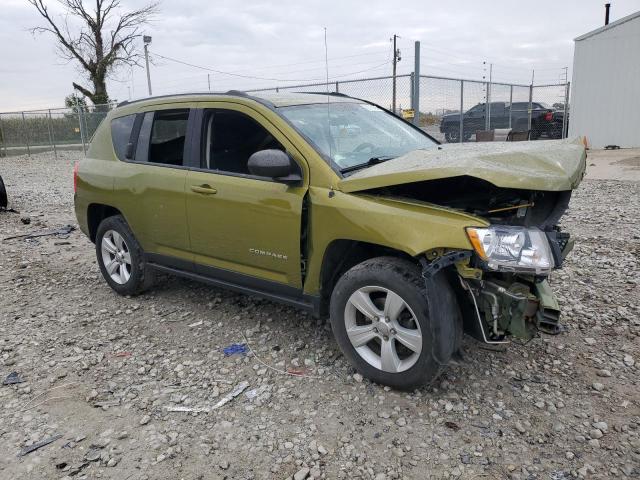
{"x": 497, "y": 304}
{"x": 504, "y": 280}
{"x": 518, "y": 193}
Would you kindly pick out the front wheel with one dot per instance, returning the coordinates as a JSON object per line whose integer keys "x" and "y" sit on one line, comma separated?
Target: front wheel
{"x": 394, "y": 329}
{"x": 536, "y": 132}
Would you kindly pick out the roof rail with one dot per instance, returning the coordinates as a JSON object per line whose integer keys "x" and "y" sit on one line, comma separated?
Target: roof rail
{"x": 331, "y": 94}
{"x": 236, "y": 93}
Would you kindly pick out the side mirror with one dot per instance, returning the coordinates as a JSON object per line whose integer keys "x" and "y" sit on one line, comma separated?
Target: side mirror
{"x": 274, "y": 164}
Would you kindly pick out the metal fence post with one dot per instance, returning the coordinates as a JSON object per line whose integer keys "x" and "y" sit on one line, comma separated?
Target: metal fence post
{"x": 416, "y": 84}
{"x": 461, "y": 119}
{"x": 52, "y": 140}
{"x": 85, "y": 115}
{"x": 79, "y": 113}
{"x": 487, "y": 109}
{"x": 337, "y": 89}
{"x": 530, "y": 107}
{"x": 565, "y": 123}
{"x": 412, "y": 84}
{"x": 26, "y": 134}
{"x": 510, "y": 103}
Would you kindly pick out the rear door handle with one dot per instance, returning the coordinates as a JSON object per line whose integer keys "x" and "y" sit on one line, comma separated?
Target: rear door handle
{"x": 204, "y": 189}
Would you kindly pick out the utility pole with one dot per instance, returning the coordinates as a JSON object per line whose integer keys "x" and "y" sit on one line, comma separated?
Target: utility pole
{"x": 415, "y": 105}
{"x": 147, "y": 40}
{"x": 533, "y": 77}
{"x": 209, "y": 81}
{"x": 488, "y": 106}
{"x": 396, "y": 59}
{"x": 484, "y": 83}
{"x": 326, "y": 62}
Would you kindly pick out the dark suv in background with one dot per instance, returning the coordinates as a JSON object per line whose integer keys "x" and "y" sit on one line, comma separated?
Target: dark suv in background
{"x": 545, "y": 121}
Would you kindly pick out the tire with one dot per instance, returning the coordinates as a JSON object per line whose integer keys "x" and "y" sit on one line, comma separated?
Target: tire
{"x": 452, "y": 136}
{"x": 3, "y": 195}
{"x": 429, "y": 321}
{"x": 555, "y": 131}
{"x": 535, "y": 132}
{"x": 126, "y": 277}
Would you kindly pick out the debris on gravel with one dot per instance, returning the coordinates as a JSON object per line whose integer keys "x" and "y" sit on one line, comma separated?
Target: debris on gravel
{"x": 130, "y": 382}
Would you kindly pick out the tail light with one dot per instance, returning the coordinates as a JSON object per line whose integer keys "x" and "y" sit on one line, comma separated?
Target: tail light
{"x": 548, "y": 116}
{"x": 75, "y": 177}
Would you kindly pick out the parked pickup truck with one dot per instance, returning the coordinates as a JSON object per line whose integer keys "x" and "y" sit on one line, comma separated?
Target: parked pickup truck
{"x": 336, "y": 206}
{"x": 545, "y": 121}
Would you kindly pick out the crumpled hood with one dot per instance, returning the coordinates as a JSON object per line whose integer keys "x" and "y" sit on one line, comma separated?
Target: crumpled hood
{"x": 549, "y": 165}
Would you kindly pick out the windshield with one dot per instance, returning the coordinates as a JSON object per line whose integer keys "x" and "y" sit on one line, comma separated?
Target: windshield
{"x": 353, "y": 134}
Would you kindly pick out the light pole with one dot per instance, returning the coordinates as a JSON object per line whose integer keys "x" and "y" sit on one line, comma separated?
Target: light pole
{"x": 147, "y": 40}
{"x": 396, "y": 59}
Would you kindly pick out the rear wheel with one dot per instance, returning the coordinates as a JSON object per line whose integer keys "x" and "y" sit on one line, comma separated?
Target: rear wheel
{"x": 392, "y": 328}
{"x": 452, "y": 136}
{"x": 121, "y": 258}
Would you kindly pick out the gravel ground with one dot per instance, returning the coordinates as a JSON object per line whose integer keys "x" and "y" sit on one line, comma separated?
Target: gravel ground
{"x": 112, "y": 374}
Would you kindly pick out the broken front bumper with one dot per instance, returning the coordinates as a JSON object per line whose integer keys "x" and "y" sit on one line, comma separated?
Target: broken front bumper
{"x": 511, "y": 306}
{"x": 515, "y": 304}
{"x": 503, "y": 303}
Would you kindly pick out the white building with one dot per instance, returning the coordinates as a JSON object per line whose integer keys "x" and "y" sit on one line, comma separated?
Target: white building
{"x": 605, "y": 92}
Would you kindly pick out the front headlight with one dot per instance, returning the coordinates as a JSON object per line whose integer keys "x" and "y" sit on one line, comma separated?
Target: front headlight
{"x": 512, "y": 249}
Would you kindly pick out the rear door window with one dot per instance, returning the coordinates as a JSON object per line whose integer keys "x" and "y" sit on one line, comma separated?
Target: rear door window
{"x": 162, "y": 137}
{"x": 121, "y": 134}
{"x": 168, "y": 135}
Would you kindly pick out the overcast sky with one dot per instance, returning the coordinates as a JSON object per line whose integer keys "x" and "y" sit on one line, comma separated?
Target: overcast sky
{"x": 281, "y": 42}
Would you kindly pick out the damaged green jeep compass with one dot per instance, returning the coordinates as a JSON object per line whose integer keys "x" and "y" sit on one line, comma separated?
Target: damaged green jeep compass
{"x": 336, "y": 206}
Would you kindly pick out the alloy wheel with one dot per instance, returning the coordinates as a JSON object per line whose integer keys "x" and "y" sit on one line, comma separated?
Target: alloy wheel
{"x": 116, "y": 257}
{"x": 383, "y": 329}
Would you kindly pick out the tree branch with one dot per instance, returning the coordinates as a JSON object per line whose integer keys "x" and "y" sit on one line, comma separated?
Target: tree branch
{"x": 42, "y": 9}
{"x": 83, "y": 90}
{"x": 98, "y": 56}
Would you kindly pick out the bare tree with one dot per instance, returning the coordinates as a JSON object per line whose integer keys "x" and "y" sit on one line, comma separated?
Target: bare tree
{"x": 104, "y": 41}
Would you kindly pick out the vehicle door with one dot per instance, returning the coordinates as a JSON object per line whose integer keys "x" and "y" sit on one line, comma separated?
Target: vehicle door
{"x": 474, "y": 119}
{"x": 150, "y": 186}
{"x": 520, "y": 116}
{"x": 243, "y": 228}
{"x": 499, "y": 117}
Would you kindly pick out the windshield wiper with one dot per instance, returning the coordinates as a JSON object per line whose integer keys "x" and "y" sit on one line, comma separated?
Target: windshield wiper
{"x": 368, "y": 163}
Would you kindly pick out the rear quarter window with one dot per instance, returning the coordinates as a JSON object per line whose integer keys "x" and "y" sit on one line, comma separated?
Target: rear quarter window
{"x": 121, "y": 133}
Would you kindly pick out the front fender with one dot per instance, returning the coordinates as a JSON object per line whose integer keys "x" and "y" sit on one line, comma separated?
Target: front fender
{"x": 404, "y": 225}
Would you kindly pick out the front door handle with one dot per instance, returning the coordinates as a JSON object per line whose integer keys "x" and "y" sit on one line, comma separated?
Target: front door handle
{"x": 204, "y": 189}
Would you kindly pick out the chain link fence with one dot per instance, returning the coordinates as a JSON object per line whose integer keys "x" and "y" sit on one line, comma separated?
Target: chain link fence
{"x": 49, "y": 130}
{"x": 533, "y": 111}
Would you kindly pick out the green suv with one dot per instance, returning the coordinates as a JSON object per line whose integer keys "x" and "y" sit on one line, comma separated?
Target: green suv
{"x": 336, "y": 206}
